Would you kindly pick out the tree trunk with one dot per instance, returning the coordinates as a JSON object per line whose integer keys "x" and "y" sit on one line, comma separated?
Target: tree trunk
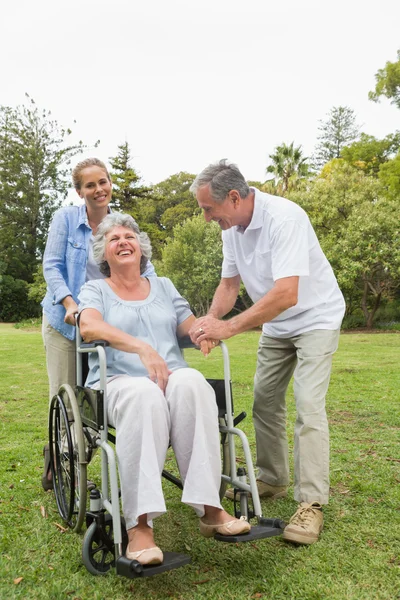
{"x": 369, "y": 314}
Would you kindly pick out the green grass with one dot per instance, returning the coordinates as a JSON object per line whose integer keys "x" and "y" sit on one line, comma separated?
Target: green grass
{"x": 357, "y": 557}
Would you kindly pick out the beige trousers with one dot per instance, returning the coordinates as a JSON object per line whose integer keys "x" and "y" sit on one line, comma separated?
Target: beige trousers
{"x": 309, "y": 357}
{"x": 60, "y": 358}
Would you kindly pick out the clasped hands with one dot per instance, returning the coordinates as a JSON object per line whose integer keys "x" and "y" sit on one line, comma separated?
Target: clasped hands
{"x": 206, "y": 332}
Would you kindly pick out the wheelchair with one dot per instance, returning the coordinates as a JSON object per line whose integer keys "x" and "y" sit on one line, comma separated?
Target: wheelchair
{"x": 78, "y": 428}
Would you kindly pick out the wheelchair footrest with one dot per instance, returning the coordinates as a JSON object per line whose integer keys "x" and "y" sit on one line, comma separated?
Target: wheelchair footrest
{"x": 266, "y": 528}
{"x": 132, "y": 568}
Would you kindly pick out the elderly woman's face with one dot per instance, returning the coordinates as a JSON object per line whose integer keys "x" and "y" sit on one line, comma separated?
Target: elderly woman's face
{"x": 122, "y": 248}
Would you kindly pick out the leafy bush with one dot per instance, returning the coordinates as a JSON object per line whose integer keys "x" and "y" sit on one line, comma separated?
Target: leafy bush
{"x": 353, "y": 321}
{"x": 389, "y": 312}
{"x": 14, "y": 302}
{"x": 387, "y": 317}
{"x": 192, "y": 260}
{"x": 32, "y": 324}
{"x": 392, "y": 326}
{"x": 37, "y": 289}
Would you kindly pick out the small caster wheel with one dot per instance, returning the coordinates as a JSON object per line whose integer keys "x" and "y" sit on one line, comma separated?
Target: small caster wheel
{"x": 98, "y": 550}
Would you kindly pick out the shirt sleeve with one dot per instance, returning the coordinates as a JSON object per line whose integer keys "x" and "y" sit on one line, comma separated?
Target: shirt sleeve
{"x": 90, "y": 296}
{"x": 229, "y": 267}
{"x": 290, "y": 250}
{"x": 181, "y": 305}
{"x": 54, "y": 260}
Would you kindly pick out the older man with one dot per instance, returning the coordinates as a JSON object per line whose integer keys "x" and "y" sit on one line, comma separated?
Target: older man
{"x": 270, "y": 245}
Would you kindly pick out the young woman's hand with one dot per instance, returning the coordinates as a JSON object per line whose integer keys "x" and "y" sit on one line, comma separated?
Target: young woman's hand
{"x": 71, "y": 309}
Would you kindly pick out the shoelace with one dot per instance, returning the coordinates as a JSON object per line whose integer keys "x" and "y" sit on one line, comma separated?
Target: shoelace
{"x": 303, "y": 516}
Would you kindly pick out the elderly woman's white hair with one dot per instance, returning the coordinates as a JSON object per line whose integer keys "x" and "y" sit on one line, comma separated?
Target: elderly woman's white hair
{"x": 119, "y": 220}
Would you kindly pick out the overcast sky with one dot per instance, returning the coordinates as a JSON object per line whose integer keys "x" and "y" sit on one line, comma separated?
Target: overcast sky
{"x": 189, "y": 82}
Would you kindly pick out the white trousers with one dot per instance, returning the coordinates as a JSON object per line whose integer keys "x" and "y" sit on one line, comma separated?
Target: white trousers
{"x": 309, "y": 357}
{"x": 146, "y": 421}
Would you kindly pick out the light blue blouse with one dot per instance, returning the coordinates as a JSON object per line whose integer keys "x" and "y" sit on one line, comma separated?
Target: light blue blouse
{"x": 153, "y": 320}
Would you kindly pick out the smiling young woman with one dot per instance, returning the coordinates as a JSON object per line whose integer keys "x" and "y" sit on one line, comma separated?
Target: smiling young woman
{"x": 95, "y": 188}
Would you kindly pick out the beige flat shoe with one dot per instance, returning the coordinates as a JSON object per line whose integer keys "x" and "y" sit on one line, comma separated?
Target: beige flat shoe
{"x": 234, "y": 527}
{"x": 148, "y": 556}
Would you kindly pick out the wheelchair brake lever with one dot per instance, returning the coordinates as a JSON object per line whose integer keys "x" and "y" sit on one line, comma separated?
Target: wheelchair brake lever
{"x": 239, "y": 418}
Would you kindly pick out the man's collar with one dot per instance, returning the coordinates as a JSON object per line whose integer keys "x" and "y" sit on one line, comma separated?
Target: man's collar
{"x": 256, "y": 219}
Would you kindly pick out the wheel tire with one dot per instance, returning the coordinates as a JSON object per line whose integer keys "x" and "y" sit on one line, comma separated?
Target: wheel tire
{"x": 67, "y": 457}
{"x": 98, "y": 554}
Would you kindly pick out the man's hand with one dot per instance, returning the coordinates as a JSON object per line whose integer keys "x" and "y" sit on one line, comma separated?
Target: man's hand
{"x": 209, "y": 328}
{"x": 155, "y": 365}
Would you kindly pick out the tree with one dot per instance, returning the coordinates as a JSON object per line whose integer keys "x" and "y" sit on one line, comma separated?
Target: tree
{"x": 358, "y": 228}
{"x": 371, "y": 252}
{"x": 337, "y": 131}
{"x": 192, "y": 259}
{"x": 127, "y": 191}
{"x": 389, "y": 176}
{"x": 289, "y": 166}
{"x": 369, "y": 153}
{"x": 388, "y": 83}
{"x": 169, "y": 204}
{"x": 174, "y": 200}
{"x": 34, "y": 160}
{"x": 14, "y": 301}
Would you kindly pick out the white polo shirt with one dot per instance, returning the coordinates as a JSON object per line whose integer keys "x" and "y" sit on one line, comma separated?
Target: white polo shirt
{"x": 280, "y": 242}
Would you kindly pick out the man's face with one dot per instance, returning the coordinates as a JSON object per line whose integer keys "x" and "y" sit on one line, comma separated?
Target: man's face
{"x": 224, "y": 214}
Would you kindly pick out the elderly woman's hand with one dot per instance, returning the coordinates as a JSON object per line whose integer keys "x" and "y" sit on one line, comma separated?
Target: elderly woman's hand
{"x": 155, "y": 365}
{"x": 207, "y": 345}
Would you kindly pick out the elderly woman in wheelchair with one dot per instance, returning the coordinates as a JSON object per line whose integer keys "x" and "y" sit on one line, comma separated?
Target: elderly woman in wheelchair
{"x": 154, "y": 399}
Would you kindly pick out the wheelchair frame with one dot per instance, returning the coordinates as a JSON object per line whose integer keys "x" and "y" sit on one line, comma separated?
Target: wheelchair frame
{"x": 70, "y": 413}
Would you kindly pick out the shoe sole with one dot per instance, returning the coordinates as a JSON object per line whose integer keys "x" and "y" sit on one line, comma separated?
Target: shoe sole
{"x": 298, "y": 538}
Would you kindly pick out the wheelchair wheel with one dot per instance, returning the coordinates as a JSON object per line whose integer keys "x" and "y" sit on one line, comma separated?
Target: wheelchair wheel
{"x": 98, "y": 550}
{"x": 68, "y": 458}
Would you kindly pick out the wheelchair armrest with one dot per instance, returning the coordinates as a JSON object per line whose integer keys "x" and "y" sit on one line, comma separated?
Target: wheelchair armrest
{"x": 186, "y": 342}
{"x": 94, "y": 344}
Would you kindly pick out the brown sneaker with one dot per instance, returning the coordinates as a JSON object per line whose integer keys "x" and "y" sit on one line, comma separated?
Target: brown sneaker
{"x": 272, "y": 492}
{"x": 305, "y": 525}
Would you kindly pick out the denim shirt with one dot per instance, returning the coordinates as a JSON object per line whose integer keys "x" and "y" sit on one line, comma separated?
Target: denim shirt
{"x": 64, "y": 263}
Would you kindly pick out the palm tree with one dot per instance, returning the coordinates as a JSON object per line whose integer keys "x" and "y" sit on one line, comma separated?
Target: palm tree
{"x": 288, "y": 165}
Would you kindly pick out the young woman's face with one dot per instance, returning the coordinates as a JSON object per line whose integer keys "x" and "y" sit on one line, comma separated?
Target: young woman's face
{"x": 96, "y": 188}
